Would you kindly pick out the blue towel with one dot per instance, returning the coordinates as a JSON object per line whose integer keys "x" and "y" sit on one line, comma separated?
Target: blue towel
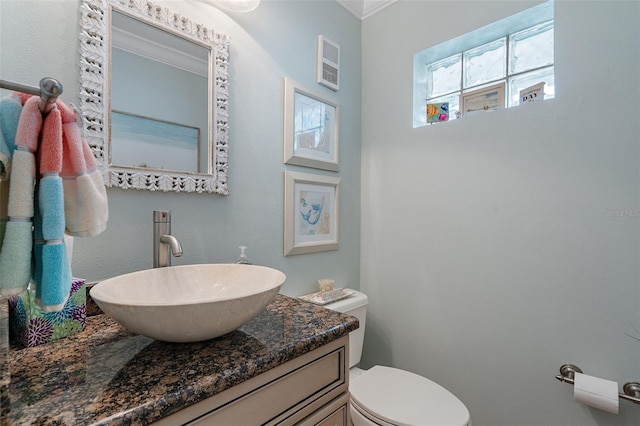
{"x": 53, "y": 291}
{"x": 51, "y": 271}
{"x": 51, "y": 274}
{"x": 36, "y": 267}
{"x": 15, "y": 257}
{"x": 51, "y": 204}
{"x": 10, "y": 109}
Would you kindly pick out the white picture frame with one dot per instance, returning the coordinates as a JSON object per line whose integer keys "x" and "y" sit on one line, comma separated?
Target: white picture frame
{"x": 485, "y": 99}
{"x": 310, "y": 128}
{"x": 310, "y": 213}
{"x": 532, "y": 94}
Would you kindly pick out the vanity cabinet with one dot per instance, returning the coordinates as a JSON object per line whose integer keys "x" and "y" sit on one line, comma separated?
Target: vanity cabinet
{"x": 309, "y": 390}
{"x": 287, "y": 366}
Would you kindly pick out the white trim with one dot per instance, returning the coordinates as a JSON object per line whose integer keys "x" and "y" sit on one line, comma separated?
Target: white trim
{"x": 141, "y": 46}
{"x": 362, "y": 9}
{"x": 293, "y": 156}
{"x": 291, "y": 244}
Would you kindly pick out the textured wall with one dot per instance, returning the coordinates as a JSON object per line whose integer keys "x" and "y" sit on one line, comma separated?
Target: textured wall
{"x": 496, "y": 248}
{"x": 39, "y": 38}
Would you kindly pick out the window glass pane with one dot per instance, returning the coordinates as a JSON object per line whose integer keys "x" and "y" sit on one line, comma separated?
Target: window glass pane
{"x": 523, "y": 81}
{"x": 485, "y": 63}
{"x": 454, "y": 103}
{"x": 444, "y": 76}
{"x": 531, "y": 48}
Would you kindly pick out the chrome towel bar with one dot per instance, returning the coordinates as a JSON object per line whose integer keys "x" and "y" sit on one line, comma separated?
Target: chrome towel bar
{"x": 631, "y": 389}
{"x": 49, "y": 90}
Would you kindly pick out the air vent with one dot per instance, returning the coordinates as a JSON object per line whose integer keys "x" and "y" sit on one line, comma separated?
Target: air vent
{"x": 328, "y": 63}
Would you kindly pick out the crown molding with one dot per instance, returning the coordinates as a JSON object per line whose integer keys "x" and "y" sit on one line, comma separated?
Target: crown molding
{"x": 362, "y": 9}
{"x": 159, "y": 52}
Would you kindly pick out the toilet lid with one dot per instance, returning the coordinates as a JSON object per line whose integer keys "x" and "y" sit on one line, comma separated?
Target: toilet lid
{"x": 406, "y": 399}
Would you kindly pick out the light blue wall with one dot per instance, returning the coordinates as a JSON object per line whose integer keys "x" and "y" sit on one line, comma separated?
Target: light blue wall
{"x": 498, "y": 247}
{"x": 39, "y": 38}
{"x": 489, "y": 247}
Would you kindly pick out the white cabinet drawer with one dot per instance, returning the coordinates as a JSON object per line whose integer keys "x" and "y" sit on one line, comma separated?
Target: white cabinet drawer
{"x": 284, "y": 395}
{"x": 270, "y": 401}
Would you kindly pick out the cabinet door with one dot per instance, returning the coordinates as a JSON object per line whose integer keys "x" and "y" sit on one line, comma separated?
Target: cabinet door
{"x": 335, "y": 413}
{"x": 338, "y": 418}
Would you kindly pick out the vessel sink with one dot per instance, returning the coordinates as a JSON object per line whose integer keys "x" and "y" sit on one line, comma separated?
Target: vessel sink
{"x": 188, "y": 303}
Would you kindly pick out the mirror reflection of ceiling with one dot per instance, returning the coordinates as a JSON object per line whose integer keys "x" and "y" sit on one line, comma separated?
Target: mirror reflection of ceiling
{"x": 148, "y": 41}
{"x": 364, "y": 8}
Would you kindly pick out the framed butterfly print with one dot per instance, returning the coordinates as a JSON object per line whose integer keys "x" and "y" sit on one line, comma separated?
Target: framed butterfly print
{"x": 310, "y": 213}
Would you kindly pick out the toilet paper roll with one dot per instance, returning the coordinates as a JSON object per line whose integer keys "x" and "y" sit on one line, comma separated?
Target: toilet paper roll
{"x": 596, "y": 392}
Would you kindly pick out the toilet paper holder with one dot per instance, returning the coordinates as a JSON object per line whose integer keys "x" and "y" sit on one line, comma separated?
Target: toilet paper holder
{"x": 631, "y": 389}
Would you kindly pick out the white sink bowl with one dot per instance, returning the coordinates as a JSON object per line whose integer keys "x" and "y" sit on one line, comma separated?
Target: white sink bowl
{"x": 188, "y": 303}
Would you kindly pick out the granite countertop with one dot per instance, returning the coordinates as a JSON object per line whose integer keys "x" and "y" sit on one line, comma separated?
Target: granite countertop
{"x": 107, "y": 375}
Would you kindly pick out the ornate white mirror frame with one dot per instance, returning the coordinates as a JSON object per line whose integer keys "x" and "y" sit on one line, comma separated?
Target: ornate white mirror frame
{"x": 95, "y": 44}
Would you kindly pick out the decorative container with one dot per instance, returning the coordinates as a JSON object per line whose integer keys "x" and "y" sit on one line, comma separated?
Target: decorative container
{"x": 30, "y": 326}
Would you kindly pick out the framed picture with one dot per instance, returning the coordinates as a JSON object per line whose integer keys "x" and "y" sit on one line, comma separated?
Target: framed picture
{"x": 328, "y": 73}
{"x": 481, "y": 100}
{"x": 533, "y": 93}
{"x": 310, "y": 128}
{"x": 310, "y": 213}
{"x": 138, "y": 141}
{"x": 437, "y": 112}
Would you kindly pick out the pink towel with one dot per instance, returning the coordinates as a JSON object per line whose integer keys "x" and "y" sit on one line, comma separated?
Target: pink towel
{"x": 16, "y": 247}
{"x": 71, "y": 195}
{"x": 85, "y": 196}
{"x": 52, "y": 274}
{"x": 50, "y": 151}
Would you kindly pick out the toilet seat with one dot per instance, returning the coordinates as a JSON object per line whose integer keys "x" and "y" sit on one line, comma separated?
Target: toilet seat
{"x": 360, "y": 417}
{"x": 391, "y": 396}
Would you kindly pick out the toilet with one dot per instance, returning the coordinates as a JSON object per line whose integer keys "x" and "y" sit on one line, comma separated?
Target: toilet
{"x": 389, "y": 396}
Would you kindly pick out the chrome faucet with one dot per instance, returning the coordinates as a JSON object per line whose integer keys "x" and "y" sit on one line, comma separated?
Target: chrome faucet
{"x": 164, "y": 244}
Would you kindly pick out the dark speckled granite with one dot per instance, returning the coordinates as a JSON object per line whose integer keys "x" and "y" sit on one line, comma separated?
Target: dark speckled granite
{"x": 109, "y": 376}
{"x": 92, "y": 307}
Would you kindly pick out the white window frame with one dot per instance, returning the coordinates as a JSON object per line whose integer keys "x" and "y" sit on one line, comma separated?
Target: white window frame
{"x": 505, "y": 28}
{"x": 508, "y": 74}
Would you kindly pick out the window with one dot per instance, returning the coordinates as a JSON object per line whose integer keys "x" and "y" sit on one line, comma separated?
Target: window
{"x": 517, "y": 51}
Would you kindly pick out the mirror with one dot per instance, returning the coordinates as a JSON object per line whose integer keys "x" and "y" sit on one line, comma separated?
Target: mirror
{"x": 154, "y": 97}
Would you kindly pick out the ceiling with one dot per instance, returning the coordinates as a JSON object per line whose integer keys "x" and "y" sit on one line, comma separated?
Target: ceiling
{"x": 364, "y": 8}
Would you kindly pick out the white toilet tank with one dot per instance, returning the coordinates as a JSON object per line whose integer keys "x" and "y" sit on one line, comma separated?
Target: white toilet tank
{"x": 356, "y": 306}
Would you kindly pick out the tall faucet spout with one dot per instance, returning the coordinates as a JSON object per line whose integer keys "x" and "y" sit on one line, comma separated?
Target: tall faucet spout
{"x": 176, "y": 247}
{"x": 164, "y": 244}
